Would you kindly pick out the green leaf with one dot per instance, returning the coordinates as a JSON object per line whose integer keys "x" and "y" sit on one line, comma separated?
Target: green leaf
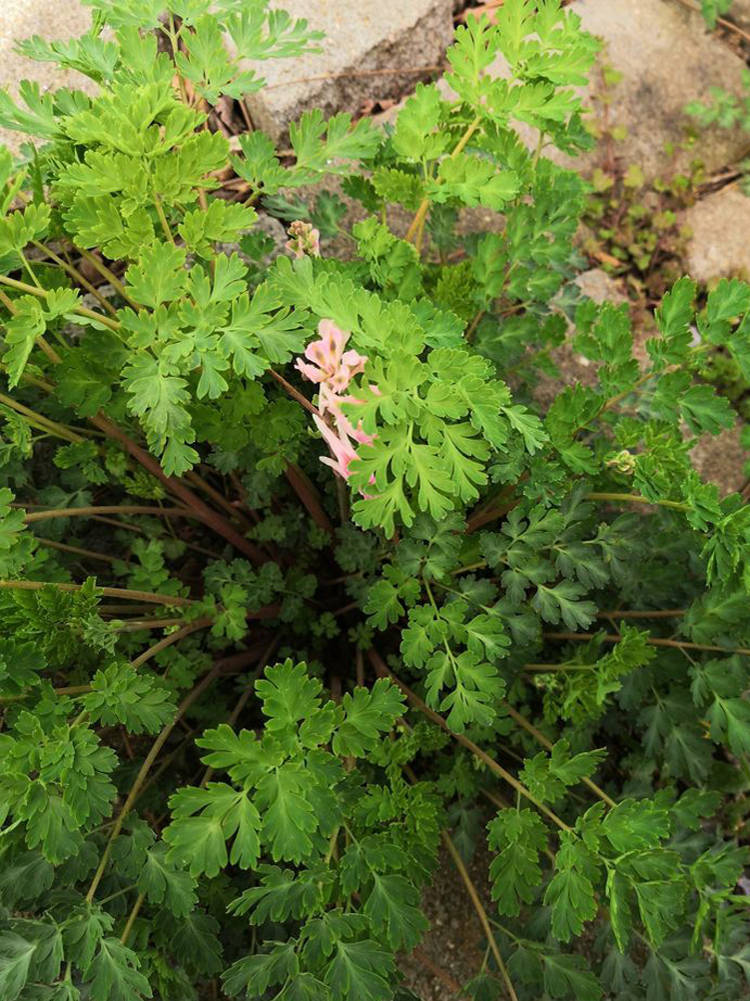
{"x": 518, "y": 836}
{"x": 562, "y": 601}
{"x": 367, "y": 715}
{"x": 159, "y": 275}
{"x": 705, "y": 411}
{"x": 15, "y": 959}
{"x": 163, "y": 884}
{"x": 122, "y": 695}
{"x": 289, "y": 818}
{"x": 114, "y": 974}
{"x": 393, "y": 907}
{"x": 360, "y": 970}
{"x": 254, "y": 974}
{"x": 568, "y": 976}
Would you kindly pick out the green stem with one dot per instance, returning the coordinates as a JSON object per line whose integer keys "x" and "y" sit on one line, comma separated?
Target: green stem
{"x": 383, "y": 671}
{"x": 83, "y": 512}
{"x": 140, "y": 778}
{"x": 548, "y": 745}
{"x": 40, "y": 422}
{"x": 481, "y": 912}
{"x": 638, "y": 499}
{"x": 75, "y": 550}
{"x": 105, "y": 272}
{"x": 674, "y": 644}
{"x": 172, "y": 638}
{"x": 131, "y": 918}
{"x": 109, "y": 592}
{"x": 43, "y": 293}
{"x": 76, "y": 275}
{"x": 163, "y": 219}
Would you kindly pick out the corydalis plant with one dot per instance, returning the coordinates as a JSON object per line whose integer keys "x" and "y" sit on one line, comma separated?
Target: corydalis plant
{"x": 239, "y": 722}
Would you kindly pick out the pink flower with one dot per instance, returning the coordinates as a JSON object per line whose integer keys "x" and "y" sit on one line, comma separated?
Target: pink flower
{"x": 305, "y": 239}
{"x": 332, "y": 368}
{"x": 341, "y": 447}
{"x": 331, "y": 365}
{"x": 330, "y": 403}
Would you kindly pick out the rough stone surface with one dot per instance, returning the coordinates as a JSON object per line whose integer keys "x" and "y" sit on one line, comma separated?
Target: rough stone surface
{"x": 368, "y": 35}
{"x": 667, "y": 59}
{"x": 718, "y": 246}
{"x": 51, "y": 19}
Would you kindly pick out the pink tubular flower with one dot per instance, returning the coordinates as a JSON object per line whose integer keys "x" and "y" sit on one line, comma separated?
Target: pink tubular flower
{"x": 330, "y": 363}
{"x": 332, "y": 368}
{"x": 340, "y": 446}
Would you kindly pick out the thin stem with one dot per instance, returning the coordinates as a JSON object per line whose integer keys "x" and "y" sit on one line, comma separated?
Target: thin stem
{"x": 76, "y": 274}
{"x": 70, "y": 690}
{"x": 140, "y": 778}
{"x": 8, "y": 303}
{"x": 142, "y": 625}
{"x": 163, "y": 219}
{"x": 43, "y": 293}
{"x": 110, "y": 592}
{"x": 294, "y": 393}
{"x": 307, "y": 493}
{"x": 547, "y": 744}
{"x": 674, "y": 644}
{"x": 82, "y": 512}
{"x": 75, "y": 550}
{"x": 638, "y": 499}
{"x": 105, "y": 272}
{"x": 131, "y": 918}
{"x": 172, "y": 638}
{"x": 41, "y": 422}
{"x": 383, "y": 671}
{"x": 481, "y": 912}
{"x": 417, "y": 223}
{"x": 211, "y": 518}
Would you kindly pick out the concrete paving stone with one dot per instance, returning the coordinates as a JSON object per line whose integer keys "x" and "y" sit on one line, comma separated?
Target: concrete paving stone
{"x": 51, "y": 19}
{"x": 368, "y": 35}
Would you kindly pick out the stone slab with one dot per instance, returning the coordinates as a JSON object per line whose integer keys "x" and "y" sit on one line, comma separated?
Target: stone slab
{"x": 718, "y": 245}
{"x": 367, "y": 35}
{"x": 51, "y": 19}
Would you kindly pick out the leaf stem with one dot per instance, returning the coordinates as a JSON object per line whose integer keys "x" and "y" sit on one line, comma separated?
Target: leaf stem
{"x": 76, "y": 275}
{"x": 172, "y": 638}
{"x": 674, "y": 644}
{"x": 416, "y": 229}
{"x": 41, "y": 422}
{"x": 638, "y": 499}
{"x": 481, "y": 912}
{"x": 547, "y": 744}
{"x": 83, "y": 512}
{"x": 140, "y": 778}
{"x": 43, "y": 293}
{"x": 384, "y": 672}
{"x": 110, "y": 592}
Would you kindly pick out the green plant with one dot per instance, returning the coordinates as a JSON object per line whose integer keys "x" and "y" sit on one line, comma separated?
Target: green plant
{"x": 245, "y": 695}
